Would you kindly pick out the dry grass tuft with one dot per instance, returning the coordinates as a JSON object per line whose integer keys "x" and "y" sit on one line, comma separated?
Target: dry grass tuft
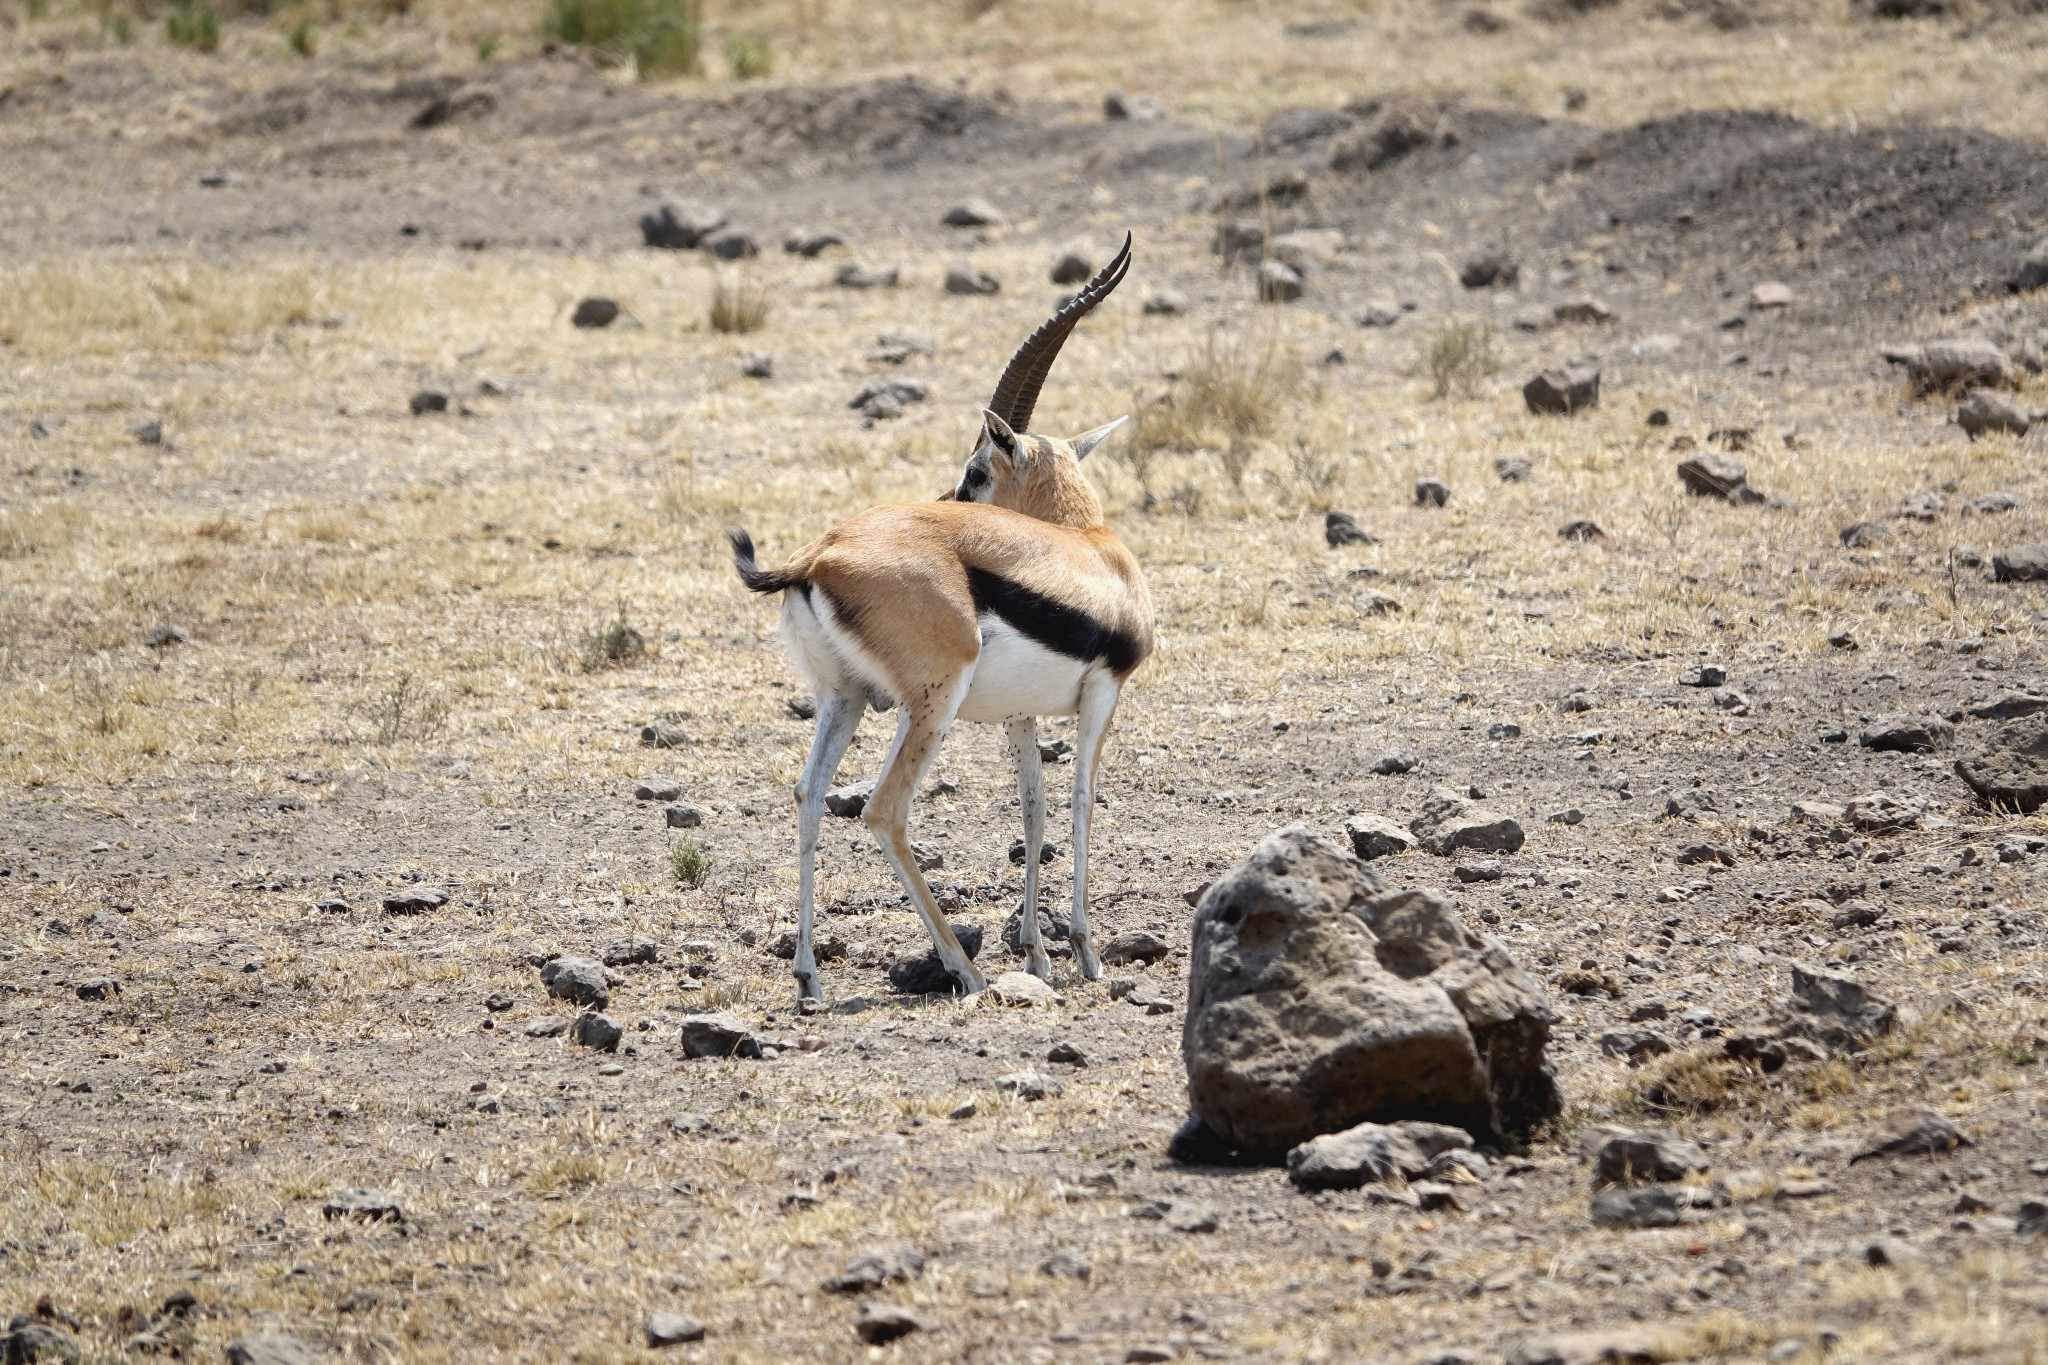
{"x": 739, "y": 304}
{"x": 1459, "y": 357}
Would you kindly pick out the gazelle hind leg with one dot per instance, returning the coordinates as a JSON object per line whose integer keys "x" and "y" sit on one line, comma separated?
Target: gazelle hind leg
{"x": 838, "y": 717}
{"x": 1022, "y": 736}
{"x": 1098, "y": 704}
{"x": 923, "y": 730}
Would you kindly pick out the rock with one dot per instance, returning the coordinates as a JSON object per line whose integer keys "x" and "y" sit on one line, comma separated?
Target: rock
{"x": 1503, "y": 729}
{"x": 1028, "y": 1085}
{"x": 1983, "y": 411}
{"x": 875, "y": 1269}
{"x": 1047, "y": 851}
{"x": 269, "y": 1348}
{"x": 1379, "y": 315}
{"x": 1712, "y": 473}
{"x": 716, "y": 1035}
{"x": 1238, "y": 239}
{"x": 1371, "y": 1152}
{"x": 1053, "y": 928}
{"x": 1340, "y": 529}
{"x": 40, "y": 1343}
{"x": 547, "y": 1026}
{"x": 1072, "y": 268}
{"x": 1636, "y": 1206}
{"x": 672, "y": 1329}
{"x": 657, "y": 789}
{"x": 363, "y": 1205}
{"x": 1137, "y": 108}
{"x": 663, "y": 737}
{"x": 1963, "y": 362}
{"x": 732, "y": 246}
{"x": 1607, "y": 1346}
{"x": 2009, "y": 770}
{"x": 1771, "y": 294}
{"x": 1908, "y": 734}
{"x": 1066, "y": 1054}
{"x": 1990, "y": 504}
{"x": 1065, "y": 1265}
{"x": 1861, "y": 535}
{"x": 1634, "y": 1045}
{"x": 962, "y": 278}
{"x": 1581, "y": 529}
{"x": 1375, "y": 836}
{"x": 1563, "y": 390}
{"x": 1880, "y": 813}
{"x": 497, "y": 1002}
{"x": 2033, "y": 269}
{"x": 429, "y": 400}
{"x": 852, "y": 276}
{"x": 2031, "y": 1219}
{"x": 1489, "y": 269}
{"x": 1278, "y": 282}
{"x": 1191, "y": 1218}
{"x": 579, "y": 980}
{"x": 595, "y": 312}
{"x": 879, "y": 1323}
{"x": 1891, "y": 1252}
{"x": 1583, "y": 311}
{"x": 810, "y": 244}
{"x": 1512, "y": 468}
{"x": 849, "y": 801}
{"x": 164, "y": 636}
{"x": 596, "y": 1032}
{"x": 1136, "y": 946}
{"x": 925, "y": 974}
{"x": 757, "y": 365}
{"x": 1486, "y": 870}
{"x": 900, "y": 344}
{"x": 1570, "y": 815}
{"x": 416, "y": 901}
{"x": 1913, "y": 1132}
{"x": 1450, "y": 823}
{"x": 1020, "y": 989}
{"x": 2024, "y": 564}
{"x": 682, "y": 817}
{"x": 1167, "y": 303}
{"x": 1703, "y": 675}
{"x": 1838, "y": 1010}
{"x": 1651, "y": 1155}
{"x": 1394, "y": 762}
{"x": 99, "y": 988}
{"x": 1431, "y": 491}
{"x": 1693, "y": 855}
{"x": 632, "y": 952}
{"x": 148, "y": 433}
{"x": 1318, "y": 1000}
{"x": 679, "y": 227}
{"x": 976, "y": 212}
{"x": 831, "y": 947}
{"x": 1923, "y": 505}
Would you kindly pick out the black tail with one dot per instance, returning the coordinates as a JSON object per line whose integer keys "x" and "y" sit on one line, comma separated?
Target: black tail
{"x": 752, "y": 574}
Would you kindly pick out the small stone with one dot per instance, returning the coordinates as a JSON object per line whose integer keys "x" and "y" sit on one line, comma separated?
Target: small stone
{"x": 1771, "y": 294}
{"x": 1470, "y": 873}
{"x": 1581, "y": 529}
{"x": 1512, "y": 468}
{"x": 682, "y": 817}
{"x": 1645, "y": 1206}
{"x": 1489, "y": 269}
{"x": 680, "y": 227}
{"x": 732, "y": 246}
{"x": 852, "y": 276}
{"x": 1861, "y": 535}
{"x": 2022, "y": 564}
{"x": 547, "y": 1026}
{"x": 1650, "y": 1155}
{"x": 595, "y": 312}
{"x": 1072, "y": 268}
{"x": 1570, "y": 815}
{"x": 964, "y": 279}
{"x": 1065, "y": 1265}
{"x": 1908, "y": 734}
{"x": 1911, "y": 1132}
{"x": 579, "y": 980}
{"x": 1923, "y": 505}
{"x": 879, "y": 1324}
{"x": 672, "y": 1329}
{"x": 1394, "y": 762}
{"x": 663, "y": 737}
{"x": 1047, "y": 851}
{"x": 976, "y": 212}
{"x": 1020, "y": 989}
{"x": 1891, "y": 1252}
{"x": 1167, "y": 303}
{"x": 1191, "y": 1218}
{"x": 925, "y": 974}
{"x": 1712, "y": 473}
{"x": 1991, "y": 504}
{"x": 363, "y": 1205}
{"x": 596, "y": 1032}
{"x": 1693, "y": 855}
{"x": 849, "y": 801}
{"x": 497, "y": 1002}
{"x": 716, "y": 1035}
{"x": 429, "y": 400}
{"x": 1704, "y": 675}
{"x": 162, "y": 637}
{"x": 147, "y": 433}
{"x": 1565, "y": 390}
{"x": 658, "y": 789}
{"x": 1431, "y": 491}
{"x": 1984, "y": 412}
{"x": 1066, "y": 1054}
{"x": 417, "y": 901}
{"x": 803, "y": 706}
{"x": 268, "y": 1348}
{"x": 1634, "y": 1045}
{"x": 1583, "y": 311}
{"x": 1028, "y": 1085}
{"x": 1373, "y": 602}
{"x": 1451, "y": 824}
{"x": 1375, "y": 836}
{"x": 1137, "y": 946}
{"x": 1503, "y": 729}
{"x": 1339, "y": 528}
{"x": 1278, "y": 282}
{"x": 755, "y": 365}
{"x": 99, "y": 988}
{"x": 1379, "y": 315}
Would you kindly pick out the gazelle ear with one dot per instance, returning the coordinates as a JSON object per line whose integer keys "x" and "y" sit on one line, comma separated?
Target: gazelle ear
{"x": 999, "y": 433}
{"x": 1087, "y": 441}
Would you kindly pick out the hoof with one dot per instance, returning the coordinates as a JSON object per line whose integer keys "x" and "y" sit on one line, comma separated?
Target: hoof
{"x": 1090, "y": 964}
{"x": 807, "y": 987}
{"x": 970, "y": 981}
{"x": 1039, "y": 965}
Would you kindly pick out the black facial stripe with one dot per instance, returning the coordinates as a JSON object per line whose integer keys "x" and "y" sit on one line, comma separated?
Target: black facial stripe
{"x": 1055, "y": 625}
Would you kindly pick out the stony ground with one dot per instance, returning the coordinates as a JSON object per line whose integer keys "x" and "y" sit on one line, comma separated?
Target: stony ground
{"x": 415, "y": 654}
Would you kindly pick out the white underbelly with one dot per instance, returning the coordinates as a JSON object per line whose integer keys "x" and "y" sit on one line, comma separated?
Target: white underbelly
{"x": 1016, "y": 676}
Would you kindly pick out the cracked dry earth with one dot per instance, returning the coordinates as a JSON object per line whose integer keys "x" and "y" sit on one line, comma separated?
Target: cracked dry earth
{"x": 277, "y": 1034}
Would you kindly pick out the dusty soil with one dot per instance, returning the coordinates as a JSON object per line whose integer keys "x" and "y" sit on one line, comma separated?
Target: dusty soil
{"x": 388, "y": 684}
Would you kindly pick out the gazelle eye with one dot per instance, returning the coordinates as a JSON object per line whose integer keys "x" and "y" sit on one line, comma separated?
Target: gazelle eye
{"x": 974, "y": 477}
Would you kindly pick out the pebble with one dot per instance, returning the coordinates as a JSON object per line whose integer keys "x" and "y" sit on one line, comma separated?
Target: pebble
{"x": 595, "y": 312}
{"x": 975, "y": 212}
{"x": 1341, "y": 528}
{"x": 875, "y": 1269}
{"x": 1029, "y": 1085}
{"x": 851, "y": 276}
{"x": 428, "y": 400}
{"x": 682, "y": 817}
{"x": 1647, "y": 1206}
{"x": 849, "y": 801}
{"x": 1067, "y": 1054}
{"x": 1166, "y": 303}
{"x": 1020, "y": 989}
{"x": 547, "y": 1026}
{"x": 269, "y": 1348}
{"x": 579, "y": 980}
{"x": 99, "y": 988}
{"x": 1486, "y": 871}
{"x": 364, "y": 1205}
{"x": 1911, "y": 1132}
{"x": 962, "y": 278}
{"x": 716, "y": 1035}
{"x": 1065, "y": 1265}
{"x": 1394, "y": 762}
{"x": 1137, "y": 946}
{"x": 596, "y": 1032}
{"x": 672, "y": 1329}
{"x": 414, "y": 902}
{"x": 658, "y": 789}
{"x": 879, "y": 1324}
{"x": 1431, "y": 491}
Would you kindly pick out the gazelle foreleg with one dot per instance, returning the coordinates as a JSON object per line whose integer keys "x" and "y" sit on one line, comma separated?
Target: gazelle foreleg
{"x": 926, "y": 718}
{"x": 1022, "y": 736}
{"x": 1098, "y": 704}
{"x": 838, "y": 717}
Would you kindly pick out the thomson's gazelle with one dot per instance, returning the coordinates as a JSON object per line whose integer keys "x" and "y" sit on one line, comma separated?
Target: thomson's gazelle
{"x": 1002, "y": 602}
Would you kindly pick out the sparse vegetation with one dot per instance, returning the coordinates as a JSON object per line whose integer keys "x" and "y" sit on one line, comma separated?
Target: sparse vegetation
{"x": 402, "y": 709}
{"x": 615, "y": 644}
{"x": 739, "y": 303}
{"x": 660, "y": 38}
{"x": 688, "y": 862}
{"x": 1459, "y": 357}
{"x": 303, "y": 37}
{"x": 750, "y": 56}
{"x": 194, "y": 24}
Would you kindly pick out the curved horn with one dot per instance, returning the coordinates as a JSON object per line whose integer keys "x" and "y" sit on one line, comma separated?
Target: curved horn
{"x": 1017, "y": 391}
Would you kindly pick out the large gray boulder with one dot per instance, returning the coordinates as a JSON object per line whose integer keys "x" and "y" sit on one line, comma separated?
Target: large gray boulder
{"x": 1954, "y": 363}
{"x": 2009, "y": 769}
{"x": 1319, "y": 1000}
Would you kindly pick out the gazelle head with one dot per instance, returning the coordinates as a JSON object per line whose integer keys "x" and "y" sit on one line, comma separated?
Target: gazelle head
{"x": 1039, "y": 476}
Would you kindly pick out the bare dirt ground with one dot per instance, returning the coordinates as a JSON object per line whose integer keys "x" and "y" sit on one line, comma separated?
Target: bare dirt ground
{"x": 397, "y": 666}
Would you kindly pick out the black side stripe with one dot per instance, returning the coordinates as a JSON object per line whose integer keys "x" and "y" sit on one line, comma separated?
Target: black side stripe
{"x": 1057, "y": 626}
